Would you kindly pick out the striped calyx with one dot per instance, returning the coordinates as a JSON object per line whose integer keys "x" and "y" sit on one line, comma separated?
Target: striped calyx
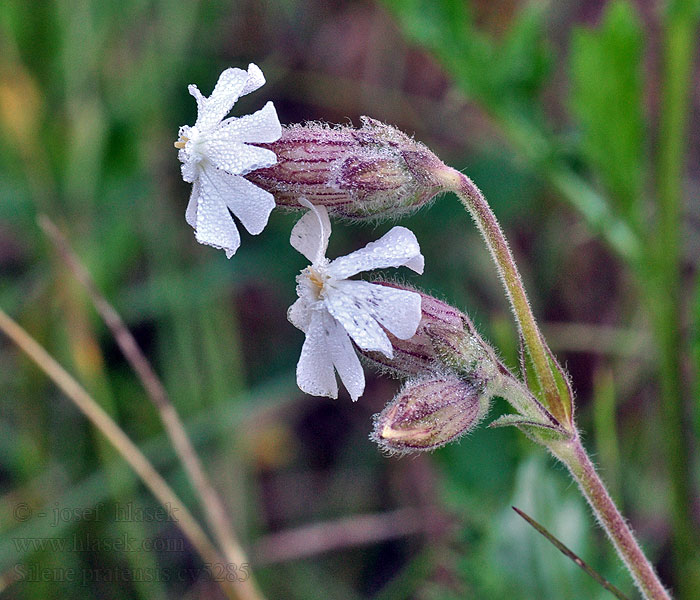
{"x": 371, "y": 172}
{"x": 445, "y": 338}
{"x": 430, "y": 412}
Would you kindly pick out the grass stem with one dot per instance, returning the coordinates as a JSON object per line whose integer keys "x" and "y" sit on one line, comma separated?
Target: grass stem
{"x": 680, "y": 41}
{"x": 214, "y": 510}
{"x": 129, "y": 451}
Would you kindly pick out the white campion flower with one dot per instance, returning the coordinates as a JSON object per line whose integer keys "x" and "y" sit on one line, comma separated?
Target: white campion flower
{"x": 332, "y": 309}
{"x": 215, "y": 152}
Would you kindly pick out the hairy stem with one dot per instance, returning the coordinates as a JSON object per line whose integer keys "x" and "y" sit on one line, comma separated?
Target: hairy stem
{"x": 488, "y": 225}
{"x": 569, "y": 451}
{"x": 570, "y": 554}
{"x": 573, "y": 455}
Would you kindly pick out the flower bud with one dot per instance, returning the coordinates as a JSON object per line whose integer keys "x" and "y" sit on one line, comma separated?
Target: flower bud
{"x": 445, "y": 337}
{"x": 428, "y": 413}
{"x": 371, "y": 172}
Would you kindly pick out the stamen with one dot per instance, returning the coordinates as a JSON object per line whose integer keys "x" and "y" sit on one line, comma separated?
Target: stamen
{"x": 181, "y": 142}
{"x": 316, "y": 279}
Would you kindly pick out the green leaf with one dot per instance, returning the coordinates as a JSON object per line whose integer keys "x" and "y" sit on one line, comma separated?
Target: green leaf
{"x": 572, "y": 555}
{"x": 684, "y": 9}
{"x": 561, "y": 379}
{"x": 523, "y": 564}
{"x": 498, "y": 73}
{"x": 606, "y": 99}
{"x": 505, "y": 76}
{"x": 522, "y": 422}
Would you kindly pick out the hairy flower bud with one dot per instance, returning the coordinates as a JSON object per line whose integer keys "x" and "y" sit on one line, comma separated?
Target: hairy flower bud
{"x": 428, "y": 413}
{"x": 371, "y": 172}
{"x": 445, "y": 337}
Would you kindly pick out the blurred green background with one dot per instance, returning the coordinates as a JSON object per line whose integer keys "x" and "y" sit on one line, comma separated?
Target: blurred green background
{"x": 579, "y": 121}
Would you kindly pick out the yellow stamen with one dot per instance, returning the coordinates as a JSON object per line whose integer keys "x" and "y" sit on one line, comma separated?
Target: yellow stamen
{"x": 181, "y": 142}
{"x": 315, "y": 278}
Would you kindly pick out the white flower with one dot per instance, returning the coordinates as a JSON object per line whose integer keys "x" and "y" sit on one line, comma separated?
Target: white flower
{"x": 215, "y": 152}
{"x": 332, "y": 309}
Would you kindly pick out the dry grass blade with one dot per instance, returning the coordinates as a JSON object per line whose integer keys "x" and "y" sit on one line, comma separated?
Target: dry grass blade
{"x": 350, "y": 532}
{"x": 579, "y": 561}
{"x": 116, "y": 436}
{"x": 214, "y": 510}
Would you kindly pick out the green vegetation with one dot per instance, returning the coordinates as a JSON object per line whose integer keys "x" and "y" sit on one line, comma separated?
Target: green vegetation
{"x": 576, "y": 124}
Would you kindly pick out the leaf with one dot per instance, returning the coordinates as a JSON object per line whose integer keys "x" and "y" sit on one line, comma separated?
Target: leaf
{"x": 527, "y": 368}
{"x": 519, "y": 420}
{"x": 498, "y": 73}
{"x": 539, "y": 432}
{"x": 505, "y": 76}
{"x": 606, "y": 99}
{"x": 683, "y": 9}
{"x": 561, "y": 379}
{"x": 523, "y": 560}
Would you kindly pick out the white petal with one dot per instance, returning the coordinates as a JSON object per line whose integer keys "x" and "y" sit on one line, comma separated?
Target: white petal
{"x": 214, "y": 224}
{"x": 398, "y": 247}
{"x": 311, "y": 232}
{"x": 315, "y": 374}
{"x": 356, "y": 319}
{"x": 261, "y": 127}
{"x": 200, "y": 98}
{"x": 250, "y": 204}
{"x": 191, "y": 212}
{"x": 185, "y": 156}
{"x": 189, "y": 167}
{"x": 299, "y": 314}
{"x": 238, "y": 158}
{"x": 256, "y": 79}
{"x": 229, "y": 87}
{"x": 416, "y": 264}
{"x": 398, "y": 311}
{"x": 344, "y": 357}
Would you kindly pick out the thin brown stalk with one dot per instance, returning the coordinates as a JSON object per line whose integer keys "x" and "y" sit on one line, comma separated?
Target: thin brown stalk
{"x": 358, "y": 530}
{"x": 572, "y": 555}
{"x": 123, "y": 444}
{"x": 214, "y": 511}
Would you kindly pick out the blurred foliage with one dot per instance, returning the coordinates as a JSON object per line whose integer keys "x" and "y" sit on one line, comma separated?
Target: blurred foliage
{"x": 606, "y": 98}
{"x": 519, "y": 63}
{"x": 539, "y": 102}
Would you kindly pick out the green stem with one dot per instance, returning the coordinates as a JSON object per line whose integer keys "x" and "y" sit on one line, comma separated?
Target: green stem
{"x": 573, "y": 455}
{"x": 474, "y": 201}
{"x": 570, "y": 451}
{"x": 665, "y": 297}
{"x": 570, "y": 554}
